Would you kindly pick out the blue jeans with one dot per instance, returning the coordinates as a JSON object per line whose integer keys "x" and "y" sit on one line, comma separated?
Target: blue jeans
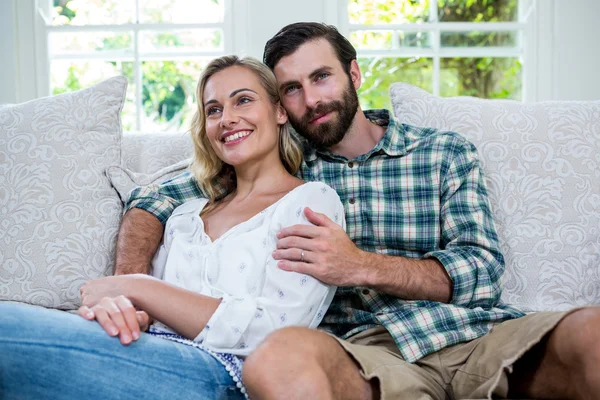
{"x": 50, "y": 354}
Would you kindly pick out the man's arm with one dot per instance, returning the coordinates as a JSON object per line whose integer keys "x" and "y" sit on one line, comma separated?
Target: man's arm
{"x": 147, "y": 211}
{"x": 139, "y": 237}
{"x": 464, "y": 270}
{"x": 333, "y": 258}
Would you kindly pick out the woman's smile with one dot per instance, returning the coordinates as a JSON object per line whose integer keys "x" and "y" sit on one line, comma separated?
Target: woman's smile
{"x": 234, "y": 137}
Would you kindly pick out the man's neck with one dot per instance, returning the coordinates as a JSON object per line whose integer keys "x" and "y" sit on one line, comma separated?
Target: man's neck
{"x": 361, "y": 137}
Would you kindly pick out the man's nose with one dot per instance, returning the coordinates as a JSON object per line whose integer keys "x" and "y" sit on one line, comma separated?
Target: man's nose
{"x": 312, "y": 97}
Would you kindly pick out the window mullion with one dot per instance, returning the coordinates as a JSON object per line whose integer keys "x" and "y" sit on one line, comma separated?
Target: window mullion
{"x": 435, "y": 38}
{"x": 137, "y": 67}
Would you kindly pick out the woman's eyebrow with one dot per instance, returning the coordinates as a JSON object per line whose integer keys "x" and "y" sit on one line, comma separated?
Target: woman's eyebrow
{"x": 240, "y": 90}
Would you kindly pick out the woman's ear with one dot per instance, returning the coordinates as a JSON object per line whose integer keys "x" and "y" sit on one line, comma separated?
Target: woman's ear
{"x": 281, "y": 114}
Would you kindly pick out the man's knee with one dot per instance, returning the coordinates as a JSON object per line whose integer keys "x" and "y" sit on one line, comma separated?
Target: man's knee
{"x": 283, "y": 346}
{"x": 576, "y": 338}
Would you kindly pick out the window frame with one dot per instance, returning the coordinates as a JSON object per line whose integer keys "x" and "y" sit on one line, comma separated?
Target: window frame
{"x": 523, "y": 50}
{"x": 43, "y": 28}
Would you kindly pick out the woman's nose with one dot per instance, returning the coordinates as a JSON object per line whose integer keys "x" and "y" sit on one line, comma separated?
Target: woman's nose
{"x": 228, "y": 118}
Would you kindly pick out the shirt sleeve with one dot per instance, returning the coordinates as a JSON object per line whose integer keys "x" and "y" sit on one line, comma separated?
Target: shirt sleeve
{"x": 287, "y": 298}
{"x": 162, "y": 198}
{"x": 470, "y": 250}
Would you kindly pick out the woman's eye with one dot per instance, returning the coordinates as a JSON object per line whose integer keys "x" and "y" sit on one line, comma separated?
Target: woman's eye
{"x": 244, "y": 100}
{"x": 212, "y": 110}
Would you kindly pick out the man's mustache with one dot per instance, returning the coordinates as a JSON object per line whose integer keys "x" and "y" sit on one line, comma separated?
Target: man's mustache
{"x": 321, "y": 109}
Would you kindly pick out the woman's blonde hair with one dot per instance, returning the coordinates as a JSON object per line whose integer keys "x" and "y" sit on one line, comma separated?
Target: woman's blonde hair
{"x": 215, "y": 177}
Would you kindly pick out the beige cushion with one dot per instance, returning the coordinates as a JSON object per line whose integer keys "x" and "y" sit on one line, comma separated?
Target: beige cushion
{"x": 542, "y": 166}
{"x": 124, "y": 180}
{"x": 58, "y": 213}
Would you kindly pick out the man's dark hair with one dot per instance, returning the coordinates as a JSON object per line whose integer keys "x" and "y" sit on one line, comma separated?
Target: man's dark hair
{"x": 292, "y": 36}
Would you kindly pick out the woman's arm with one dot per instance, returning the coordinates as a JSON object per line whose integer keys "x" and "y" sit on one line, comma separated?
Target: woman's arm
{"x": 113, "y": 301}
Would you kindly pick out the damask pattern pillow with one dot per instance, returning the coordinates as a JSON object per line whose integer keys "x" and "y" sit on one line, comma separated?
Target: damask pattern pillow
{"x": 59, "y": 215}
{"x": 542, "y": 165}
{"x": 124, "y": 180}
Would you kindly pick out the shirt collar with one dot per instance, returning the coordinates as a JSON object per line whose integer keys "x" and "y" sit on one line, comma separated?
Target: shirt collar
{"x": 392, "y": 142}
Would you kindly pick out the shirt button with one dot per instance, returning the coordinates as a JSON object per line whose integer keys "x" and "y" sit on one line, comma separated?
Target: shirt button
{"x": 365, "y": 291}
{"x": 352, "y": 201}
{"x": 379, "y": 314}
{"x": 350, "y": 164}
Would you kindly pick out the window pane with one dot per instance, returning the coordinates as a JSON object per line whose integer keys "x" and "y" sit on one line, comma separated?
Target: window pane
{"x": 491, "y": 78}
{"x": 478, "y": 11}
{"x": 65, "y": 43}
{"x": 168, "y": 94}
{"x": 189, "y": 40}
{"x": 478, "y": 39}
{"x": 380, "y": 72}
{"x": 387, "y": 11}
{"x": 182, "y": 11}
{"x": 67, "y": 76}
{"x": 377, "y": 40}
{"x": 95, "y": 12}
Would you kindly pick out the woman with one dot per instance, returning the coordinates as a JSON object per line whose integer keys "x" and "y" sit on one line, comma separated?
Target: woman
{"x": 216, "y": 291}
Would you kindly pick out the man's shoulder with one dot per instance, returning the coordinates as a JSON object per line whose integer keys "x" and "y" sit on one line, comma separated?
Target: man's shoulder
{"x": 421, "y": 138}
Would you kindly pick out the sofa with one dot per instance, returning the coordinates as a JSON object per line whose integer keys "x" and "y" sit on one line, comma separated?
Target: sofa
{"x": 66, "y": 168}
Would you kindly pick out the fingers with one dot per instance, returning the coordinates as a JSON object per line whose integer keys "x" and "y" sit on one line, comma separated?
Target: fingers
{"x": 86, "y": 313}
{"x": 117, "y": 316}
{"x": 318, "y": 219}
{"x": 143, "y": 320}
{"x": 305, "y": 231}
{"x": 293, "y": 254}
{"x": 296, "y": 242}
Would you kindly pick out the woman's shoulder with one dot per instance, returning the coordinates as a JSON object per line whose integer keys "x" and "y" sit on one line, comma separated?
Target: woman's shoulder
{"x": 312, "y": 193}
{"x": 190, "y": 207}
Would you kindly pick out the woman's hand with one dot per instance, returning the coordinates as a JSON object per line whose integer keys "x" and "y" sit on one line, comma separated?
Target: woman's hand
{"x": 93, "y": 291}
{"x": 118, "y": 316}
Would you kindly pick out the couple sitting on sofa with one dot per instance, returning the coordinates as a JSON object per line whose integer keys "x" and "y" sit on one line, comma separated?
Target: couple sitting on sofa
{"x": 246, "y": 266}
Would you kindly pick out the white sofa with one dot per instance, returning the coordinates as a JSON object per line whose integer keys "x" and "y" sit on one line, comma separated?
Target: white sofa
{"x": 59, "y": 212}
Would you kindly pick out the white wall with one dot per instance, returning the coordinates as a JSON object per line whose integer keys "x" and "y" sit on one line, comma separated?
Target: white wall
{"x": 8, "y": 50}
{"x": 577, "y": 50}
{"x": 565, "y": 67}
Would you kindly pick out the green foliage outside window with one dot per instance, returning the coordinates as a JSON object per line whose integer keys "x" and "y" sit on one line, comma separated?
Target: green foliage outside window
{"x": 168, "y": 86}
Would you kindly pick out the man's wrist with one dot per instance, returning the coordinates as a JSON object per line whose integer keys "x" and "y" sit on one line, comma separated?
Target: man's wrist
{"x": 366, "y": 269}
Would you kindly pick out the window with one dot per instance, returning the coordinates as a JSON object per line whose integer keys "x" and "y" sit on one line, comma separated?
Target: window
{"x": 161, "y": 47}
{"x": 447, "y": 47}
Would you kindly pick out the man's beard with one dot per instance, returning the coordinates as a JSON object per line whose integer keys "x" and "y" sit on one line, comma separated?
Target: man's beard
{"x": 333, "y": 131}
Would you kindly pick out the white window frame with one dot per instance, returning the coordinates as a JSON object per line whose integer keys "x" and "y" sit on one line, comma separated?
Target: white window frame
{"x": 525, "y": 39}
{"x": 44, "y": 27}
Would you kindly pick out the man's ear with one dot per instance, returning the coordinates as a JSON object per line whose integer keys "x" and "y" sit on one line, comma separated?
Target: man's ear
{"x": 355, "y": 74}
{"x": 281, "y": 115}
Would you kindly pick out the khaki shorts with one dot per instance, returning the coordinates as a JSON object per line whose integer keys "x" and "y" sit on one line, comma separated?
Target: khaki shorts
{"x": 473, "y": 370}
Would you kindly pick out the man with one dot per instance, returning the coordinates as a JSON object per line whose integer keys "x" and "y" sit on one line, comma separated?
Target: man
{"x": 418, "y": 270}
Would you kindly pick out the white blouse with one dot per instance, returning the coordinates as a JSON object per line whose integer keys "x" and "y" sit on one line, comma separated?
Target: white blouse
{"x": 257, "y": 296}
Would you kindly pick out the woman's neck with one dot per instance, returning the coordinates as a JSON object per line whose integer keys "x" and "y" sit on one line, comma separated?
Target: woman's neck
{"x": 266, "y": 178}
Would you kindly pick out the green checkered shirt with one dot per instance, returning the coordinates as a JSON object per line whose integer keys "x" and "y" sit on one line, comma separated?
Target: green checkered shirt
{"x": 419, "y": 193}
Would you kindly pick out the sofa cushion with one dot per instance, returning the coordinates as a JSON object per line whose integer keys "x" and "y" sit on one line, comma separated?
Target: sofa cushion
{"x": 59, "y": 215}
{"x": 149, "y": 152}
{"x": 542, "y": 167}
{"x": 125, "y": 180}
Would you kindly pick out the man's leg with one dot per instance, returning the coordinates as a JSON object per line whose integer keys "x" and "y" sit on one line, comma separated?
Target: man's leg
{"x": 53, "y": 354}
{"x": 300, "y": 363}
{"x": 565, "y": 364}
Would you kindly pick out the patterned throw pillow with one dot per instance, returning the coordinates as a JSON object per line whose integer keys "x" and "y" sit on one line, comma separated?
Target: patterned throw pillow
{"x": 542, "y": 166}
{"x": 59, "y": 215}
{"x": 124, "y": 180}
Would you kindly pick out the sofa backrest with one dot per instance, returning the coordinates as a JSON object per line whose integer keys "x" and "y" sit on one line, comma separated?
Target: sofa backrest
{"x": 542, "y": 167}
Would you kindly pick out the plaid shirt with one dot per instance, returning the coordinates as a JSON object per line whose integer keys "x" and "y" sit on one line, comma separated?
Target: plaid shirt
{"x": 419, "y": 193}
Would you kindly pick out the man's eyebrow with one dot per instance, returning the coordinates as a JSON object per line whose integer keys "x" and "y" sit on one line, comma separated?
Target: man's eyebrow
{"x": 230, "y": 95}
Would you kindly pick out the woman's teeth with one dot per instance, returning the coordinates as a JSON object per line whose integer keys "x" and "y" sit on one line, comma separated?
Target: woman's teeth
{"x": 236, "y": 135}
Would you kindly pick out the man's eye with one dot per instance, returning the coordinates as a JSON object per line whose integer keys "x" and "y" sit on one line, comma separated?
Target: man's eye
{"x": 322, "y": 75}
{"x": 290, "y": 89}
